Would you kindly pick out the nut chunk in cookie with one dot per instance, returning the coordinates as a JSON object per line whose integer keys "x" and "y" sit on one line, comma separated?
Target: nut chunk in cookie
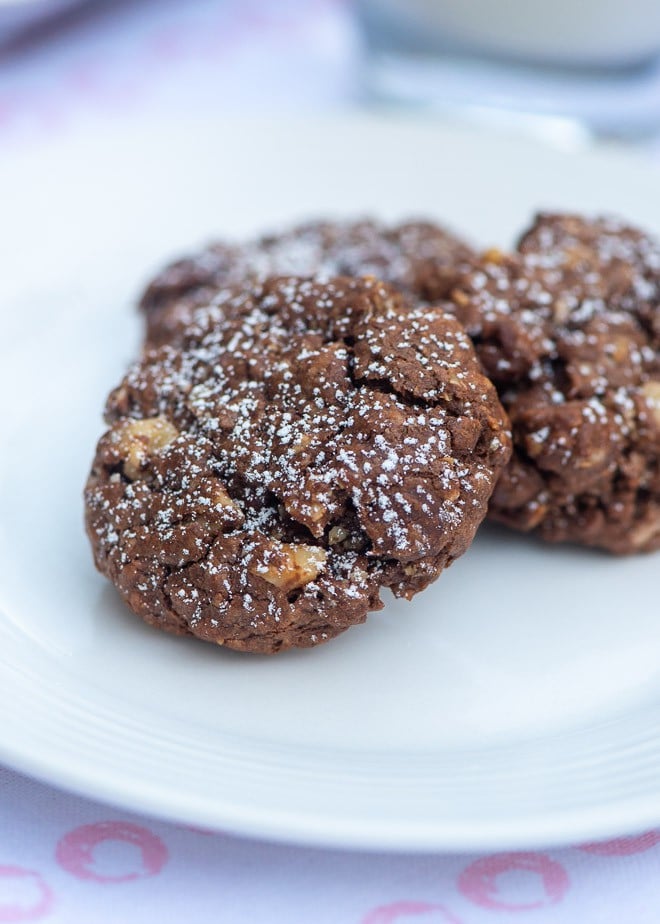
{"x": 418, "y": 256}
{"x": 261, "y": 482}
{"x": 568, "y": 328}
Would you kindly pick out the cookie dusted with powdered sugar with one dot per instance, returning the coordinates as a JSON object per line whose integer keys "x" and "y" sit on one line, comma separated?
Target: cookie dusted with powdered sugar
{"x": 568, "y": 328}
{"x": 417, "y": 256}
{"x": 305, "y": 445}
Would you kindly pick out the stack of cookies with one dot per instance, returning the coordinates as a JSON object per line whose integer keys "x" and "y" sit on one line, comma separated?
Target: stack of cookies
{"x": 329, "y": 411}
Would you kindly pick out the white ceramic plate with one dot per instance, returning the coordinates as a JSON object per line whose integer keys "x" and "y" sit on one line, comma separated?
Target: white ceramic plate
{"x": 515, "y": 703}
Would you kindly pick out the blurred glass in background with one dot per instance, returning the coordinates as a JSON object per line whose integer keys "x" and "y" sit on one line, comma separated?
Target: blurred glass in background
{"x": 592, "y": 64}
{"x": 563, "y": 69}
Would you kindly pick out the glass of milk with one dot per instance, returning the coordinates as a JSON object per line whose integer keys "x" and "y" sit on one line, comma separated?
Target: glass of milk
{"x": 594, "y": 62}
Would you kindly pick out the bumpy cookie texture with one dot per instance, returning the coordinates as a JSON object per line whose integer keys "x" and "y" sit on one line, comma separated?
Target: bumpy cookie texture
{"x": 417, "y": 256}
{"x": 260, "y": 483}
{"x": 568, "y": 328}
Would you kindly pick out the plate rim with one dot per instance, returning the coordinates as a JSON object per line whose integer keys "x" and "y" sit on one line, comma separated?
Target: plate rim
{"x": 628, "y": 817}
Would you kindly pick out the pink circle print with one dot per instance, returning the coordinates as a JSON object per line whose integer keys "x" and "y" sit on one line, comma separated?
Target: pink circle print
{"x": 624, "y": 846}
{"x": 481, "y": 883}
{"x": 34, "y": 905}
{"x": 75, "y": 852}
{"x": 400, "y": 911}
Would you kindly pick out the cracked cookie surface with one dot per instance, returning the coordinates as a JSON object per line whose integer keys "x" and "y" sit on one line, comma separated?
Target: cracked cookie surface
{"x": 568, "y": 328}
{"x": 305, "y": 444}
{"x": 419, "y": 257}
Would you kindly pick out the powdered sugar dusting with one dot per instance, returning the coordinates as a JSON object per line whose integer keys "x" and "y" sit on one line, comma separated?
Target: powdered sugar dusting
{"x": 417, "y": 256}
{"x": 331, "y": 439}
{"x": 569, "y": 329}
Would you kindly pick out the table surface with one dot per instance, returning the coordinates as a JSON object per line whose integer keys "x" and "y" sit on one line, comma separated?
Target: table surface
{"x": 65, "y": 859}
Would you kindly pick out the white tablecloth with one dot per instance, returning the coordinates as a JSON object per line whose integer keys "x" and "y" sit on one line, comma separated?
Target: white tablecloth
{"x": 67, "y": 861}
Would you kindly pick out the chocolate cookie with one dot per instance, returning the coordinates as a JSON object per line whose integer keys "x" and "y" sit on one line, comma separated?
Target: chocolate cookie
{"x": 419, "y": 257}
{"x": 568, "y": 328}
{"x": 264, "y": 479}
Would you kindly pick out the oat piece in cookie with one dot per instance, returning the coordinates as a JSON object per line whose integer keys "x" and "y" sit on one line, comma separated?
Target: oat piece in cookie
{"x": 261, "y": 482}
{"x": 568, "y": 328}
{"x": 417, "y": 256}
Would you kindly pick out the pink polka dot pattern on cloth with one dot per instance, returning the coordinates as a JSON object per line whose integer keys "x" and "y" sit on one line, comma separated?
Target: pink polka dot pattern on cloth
{"x": 404, "y": 912}
{"x": 24, "y": 896}
{"x": 60, "y": 864}
{"x": 482, "y": 881}
{"x": 75, "y": 851}
{"x": 624, "y": 846}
